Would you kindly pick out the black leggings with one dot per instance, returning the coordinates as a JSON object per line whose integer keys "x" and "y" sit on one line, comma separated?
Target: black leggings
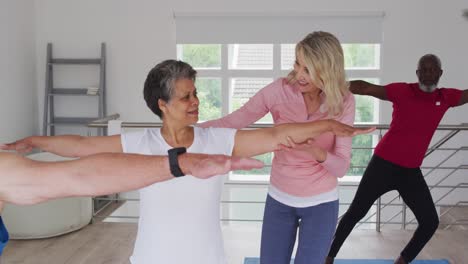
{"x": 380, "y": 177}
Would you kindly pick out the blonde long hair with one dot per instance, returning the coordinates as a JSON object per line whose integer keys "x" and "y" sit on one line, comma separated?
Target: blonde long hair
{"x": 324, "y": 58}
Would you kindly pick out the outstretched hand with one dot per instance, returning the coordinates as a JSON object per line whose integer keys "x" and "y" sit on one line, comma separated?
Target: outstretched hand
{"x": 343, "y": 130}
{"x": 21, "y": 146}
{"x": 207, "y": 166}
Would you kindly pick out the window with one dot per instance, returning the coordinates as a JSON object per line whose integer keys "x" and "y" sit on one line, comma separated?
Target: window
{"x": 244, "y": 88}
{"x": 209, "y": 91}
{"x": 238, "y": 54}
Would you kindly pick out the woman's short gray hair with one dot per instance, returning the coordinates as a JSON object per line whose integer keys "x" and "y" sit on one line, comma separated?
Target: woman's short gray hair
{"x": 161, "y": 80}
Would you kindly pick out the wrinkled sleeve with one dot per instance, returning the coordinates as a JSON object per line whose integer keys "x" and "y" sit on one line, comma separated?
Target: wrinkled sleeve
{"x": 339, "y": 158}
{"x": 254, "y": 109}
{"x": 396, "y": 91}
{"x": 453, "y": 96}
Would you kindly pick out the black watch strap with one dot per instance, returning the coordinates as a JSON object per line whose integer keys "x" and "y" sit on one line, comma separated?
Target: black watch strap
{"x": 174, "y": 161}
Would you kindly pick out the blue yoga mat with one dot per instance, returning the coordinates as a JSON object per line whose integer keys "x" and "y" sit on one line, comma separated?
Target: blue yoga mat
{"x": 363, "y": 261}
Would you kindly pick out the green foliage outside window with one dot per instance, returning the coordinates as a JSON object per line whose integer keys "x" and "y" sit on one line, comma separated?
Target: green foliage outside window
{"x": 201, "y": 56}
{"x": 209, "y": 94}
{"x": 360, "y": 55}
{"x": 360, "y": 157}
{"x": 364, "y": 109}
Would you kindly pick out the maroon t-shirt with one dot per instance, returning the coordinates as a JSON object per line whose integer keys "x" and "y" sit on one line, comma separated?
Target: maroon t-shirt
{"x": 416, "y": 115}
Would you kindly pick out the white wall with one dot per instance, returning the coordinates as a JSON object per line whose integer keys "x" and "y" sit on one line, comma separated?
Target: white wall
{"x": 17, "y": 70}
{"x": 140, "y": 33}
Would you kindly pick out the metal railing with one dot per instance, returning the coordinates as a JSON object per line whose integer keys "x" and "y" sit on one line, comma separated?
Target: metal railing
{"x": 375, "y": 217}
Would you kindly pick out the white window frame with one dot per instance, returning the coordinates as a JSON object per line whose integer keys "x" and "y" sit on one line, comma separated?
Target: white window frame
{"x": 223, "y": 28}
{"x": 225, "y": 75}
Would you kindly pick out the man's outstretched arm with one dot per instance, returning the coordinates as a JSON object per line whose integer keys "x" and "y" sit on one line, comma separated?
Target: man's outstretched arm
{"x": 364, "y": 88}
{"x": 464, "y": 98}
{"x": 24, "y": 181}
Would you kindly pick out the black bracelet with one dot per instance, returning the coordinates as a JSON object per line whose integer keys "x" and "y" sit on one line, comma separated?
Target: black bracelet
{"x": 174, "y": 161}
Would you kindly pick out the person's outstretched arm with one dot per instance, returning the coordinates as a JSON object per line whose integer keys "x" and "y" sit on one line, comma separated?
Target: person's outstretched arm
{"x": 24, "y": 181}
{"x": 254, "y": 109}
{"x": 250, "y": 143}
{"x": 464, "y": 98}
{"x": 364, "y": 88}
{"x": 68, "y": 145}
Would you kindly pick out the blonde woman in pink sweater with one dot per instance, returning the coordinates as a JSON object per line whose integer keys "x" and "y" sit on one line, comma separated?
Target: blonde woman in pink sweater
{"x": 303, "y": 194}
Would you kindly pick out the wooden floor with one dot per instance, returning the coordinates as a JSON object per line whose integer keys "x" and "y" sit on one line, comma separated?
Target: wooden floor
{"x": 113, "y": 243}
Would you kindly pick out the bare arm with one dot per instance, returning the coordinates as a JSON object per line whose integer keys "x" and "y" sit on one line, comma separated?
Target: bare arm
{"x": 250, "y": 143}
{"x": 464, "y": 98}
{"x": 24, "y": 181}
{"x": 365, "y": 88}
{"x": 67, "y": 145}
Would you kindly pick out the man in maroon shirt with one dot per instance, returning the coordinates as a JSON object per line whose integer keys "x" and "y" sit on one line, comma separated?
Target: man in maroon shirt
{"x": 395, "y": 165}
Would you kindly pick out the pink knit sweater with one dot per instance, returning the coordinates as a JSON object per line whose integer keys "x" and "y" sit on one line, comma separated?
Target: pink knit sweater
{"x": 296, "y": 172}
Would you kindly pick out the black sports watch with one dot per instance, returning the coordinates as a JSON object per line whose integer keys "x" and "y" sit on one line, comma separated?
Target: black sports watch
{"x": 174, "y": 161}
